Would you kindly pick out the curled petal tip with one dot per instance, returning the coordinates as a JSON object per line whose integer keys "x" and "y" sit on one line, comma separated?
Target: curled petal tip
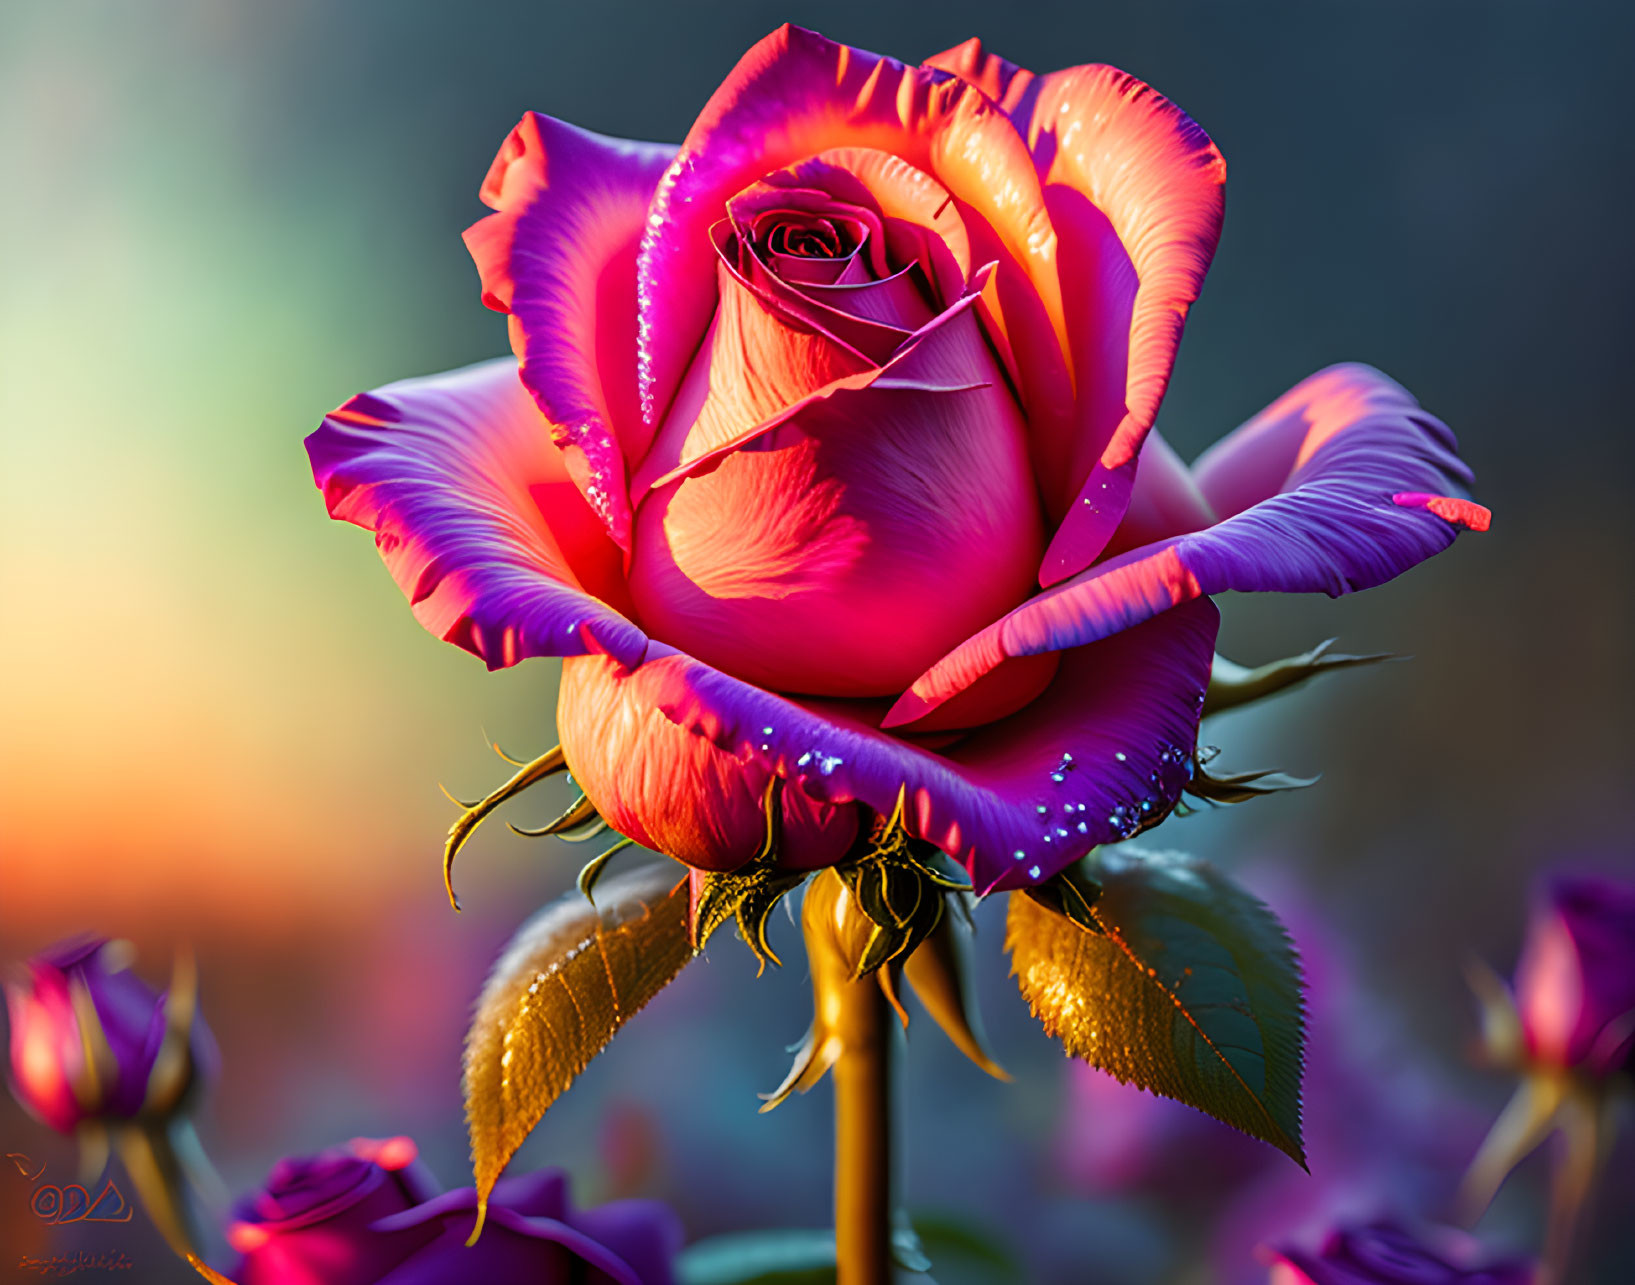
{"x": 1450, "y": 508}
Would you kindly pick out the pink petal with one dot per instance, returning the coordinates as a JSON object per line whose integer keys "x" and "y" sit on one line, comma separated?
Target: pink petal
{"x": 1309, "y": 491}
{"x": 859, "y": 540}
{"x": 674, "y": 792}
{"x": 1121, "y": 158}
{"x": 476, "y": 516}
{"x": 756, "y": 363}
{"x": 1134, "y": 190}
{"x": 795, "y": 95}
{"x": 1107, "y": 745}
{"x": 1165, "y": 500}
{"x": 560, "y": 257}
{"x": 1013, "y": 88}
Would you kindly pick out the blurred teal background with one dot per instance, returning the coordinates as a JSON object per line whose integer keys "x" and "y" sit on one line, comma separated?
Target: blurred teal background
{"x": 220, "y": 724}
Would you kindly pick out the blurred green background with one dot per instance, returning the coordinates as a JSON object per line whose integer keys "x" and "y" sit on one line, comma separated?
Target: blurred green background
{"x": 220, "y": 724}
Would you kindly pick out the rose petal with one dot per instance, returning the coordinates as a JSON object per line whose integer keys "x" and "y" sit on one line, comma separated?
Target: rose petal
{"x": 1165, "y": 500}
{"x": 1308, "y": 488}
{"x": 673, "y": 792}
{"x": 930, "y": 360}
{"x": 796, "y": 301}
{"x": 513, "y": 1249}
{"x": 1134, "y": 190}
{"x": 1012, "y": 87}
{"x": 921, "y": 219}
{"x": 859, "y": 539}
{"x": 795, "y": 95}
{"x": 1113, "y": 149}
{"x": 476, "y": 517}
{"x": 898, "y": 301}
{"x": 1107, "y": 745}
{"x": 756, "y": 364}
{"x": 559, "y": 256}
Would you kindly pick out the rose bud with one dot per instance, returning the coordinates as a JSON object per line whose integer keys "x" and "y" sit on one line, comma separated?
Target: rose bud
{"x": 825, "y": 460}
{"x": 1567, "y": 1030}
{"x": 369, "y": 1212}
{"x": 93, "y": 1043}
{"x": 1575, "y": 983}
{"x": 1384, "y": 1254}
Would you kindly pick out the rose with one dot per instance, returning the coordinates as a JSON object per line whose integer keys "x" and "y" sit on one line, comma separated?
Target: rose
{"x": 370, "y": 1212}
{"x": 807, "y": 409}
{"x": 1575, "y": 982}
{"x": 86, "y": 1035}
{"x": 1383, "y": 1254}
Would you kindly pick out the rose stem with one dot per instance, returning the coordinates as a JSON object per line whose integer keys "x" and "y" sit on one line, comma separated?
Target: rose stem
{"x": 863, "y": 1129}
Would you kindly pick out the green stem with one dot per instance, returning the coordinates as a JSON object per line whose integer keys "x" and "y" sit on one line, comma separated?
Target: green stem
{"x": 863, "y": 1135}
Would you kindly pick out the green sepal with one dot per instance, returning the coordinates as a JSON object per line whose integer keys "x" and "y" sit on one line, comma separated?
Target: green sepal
{"x": 750, "y": 893}
{"x": 1072, "y": 892}
{"x": 592, "y": 870}
{"x": 1240, "y": 787}
{"x": 1233, "y": 685}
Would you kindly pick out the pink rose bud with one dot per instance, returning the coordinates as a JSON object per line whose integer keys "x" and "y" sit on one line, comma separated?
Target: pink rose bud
{"x": 359, "y": 1214}
{"x": 1384, "y": 1254}
{"x": 78, "y": 999}
{"x": 1575, "y": 984}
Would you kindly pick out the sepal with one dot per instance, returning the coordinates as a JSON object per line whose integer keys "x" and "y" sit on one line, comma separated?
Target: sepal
{"x": 1232, "y": 685}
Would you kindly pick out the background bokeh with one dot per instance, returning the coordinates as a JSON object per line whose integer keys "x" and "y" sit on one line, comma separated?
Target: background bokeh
{"x": 220, "y": 725}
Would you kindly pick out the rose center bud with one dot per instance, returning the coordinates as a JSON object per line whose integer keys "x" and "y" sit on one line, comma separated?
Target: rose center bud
{"x": 840, "y": 493}
{"x": 820, "y": 240}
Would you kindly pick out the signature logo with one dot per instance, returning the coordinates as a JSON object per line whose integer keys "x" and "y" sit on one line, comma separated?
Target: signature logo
{"x": 71, "y": 1204}
{"x": 68, "y": 1264}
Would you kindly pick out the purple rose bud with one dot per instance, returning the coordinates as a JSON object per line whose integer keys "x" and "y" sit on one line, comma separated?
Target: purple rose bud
{"x": 1575, "y": 984}
{"x": 1385, "y": 1254}
{"x": 78, "y": 997}
{"x": 359, "y": 1214}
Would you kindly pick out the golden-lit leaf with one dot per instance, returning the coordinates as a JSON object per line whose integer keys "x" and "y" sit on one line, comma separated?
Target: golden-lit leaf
{"x": 569, "y": 980}
{"x": 1232, "y": 685}
{"x": 1191, "y": 990}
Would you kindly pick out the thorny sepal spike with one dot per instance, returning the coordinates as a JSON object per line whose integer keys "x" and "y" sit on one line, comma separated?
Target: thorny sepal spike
{"x": 900, "y": 885}
{"x": 1233, "y": 685}
{"x": 592, "y": 870}
{"x": 1240, "y": 787}
{"x": 578, "y": 813}
{"x": 939, "y": 973}
{"x": 814, "y": 1055}
{"x": 546, "y": 765}
{"x": 1071, "y": 892}
{"x": 749, "y": 893}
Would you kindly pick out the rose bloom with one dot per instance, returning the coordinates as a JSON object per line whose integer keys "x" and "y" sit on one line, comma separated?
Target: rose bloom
{"x": 1384, "y": 1254}
{"x": 1575, "y": 982}
{"x": 370, "y": 1214}
{"x": 50, "y": 1074}
{"x": 827, "y": 455}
